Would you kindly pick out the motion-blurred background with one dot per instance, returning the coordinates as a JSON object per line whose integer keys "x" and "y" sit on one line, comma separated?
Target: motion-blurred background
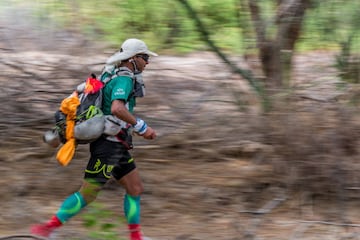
{"x": 256, "y": 104}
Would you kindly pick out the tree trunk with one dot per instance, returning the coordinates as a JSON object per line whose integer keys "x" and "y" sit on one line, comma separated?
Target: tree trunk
{"x": 270, "y": 61}
{"x": 289, "y": 29}
{"x": 276, "y": 53}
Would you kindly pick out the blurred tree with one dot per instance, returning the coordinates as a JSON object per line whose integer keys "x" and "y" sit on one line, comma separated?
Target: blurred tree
{"x": 206, "y": 37}
{"x": 269, "y": 28}
{"x": 275, "y": 50}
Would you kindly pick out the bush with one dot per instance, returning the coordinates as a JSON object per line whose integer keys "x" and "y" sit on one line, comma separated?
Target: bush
{"x": 348, "y": 63}
{"x": 102, "y": 223}
{"x": 315, "y": 146}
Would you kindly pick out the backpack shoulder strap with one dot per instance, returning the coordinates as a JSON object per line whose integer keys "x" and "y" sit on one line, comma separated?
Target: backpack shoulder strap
{"x": 124, "y": 71}
{"x": 112, "y": 72}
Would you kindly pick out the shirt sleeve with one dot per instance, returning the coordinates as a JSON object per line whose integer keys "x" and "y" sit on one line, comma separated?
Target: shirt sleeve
{"x": 122, "y": 88}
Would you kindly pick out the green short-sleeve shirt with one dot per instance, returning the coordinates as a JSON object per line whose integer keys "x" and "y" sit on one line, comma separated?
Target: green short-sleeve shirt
{"x": 119, "y": 88}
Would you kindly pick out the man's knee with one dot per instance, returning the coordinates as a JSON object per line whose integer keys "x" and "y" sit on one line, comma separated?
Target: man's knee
{"x": 89, "y": 191}
{"x": 132, "y": 183}
{"x": 135, "y": 190}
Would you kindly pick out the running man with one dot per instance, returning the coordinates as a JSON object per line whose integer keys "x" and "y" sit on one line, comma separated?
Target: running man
{"x": 109, "y": 155}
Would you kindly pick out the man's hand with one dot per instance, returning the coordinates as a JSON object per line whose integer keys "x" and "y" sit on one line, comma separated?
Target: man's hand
{"x": 149, "y": 134}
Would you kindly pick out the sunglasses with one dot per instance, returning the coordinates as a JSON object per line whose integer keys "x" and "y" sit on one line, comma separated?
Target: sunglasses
{"x": 144, "y": 56}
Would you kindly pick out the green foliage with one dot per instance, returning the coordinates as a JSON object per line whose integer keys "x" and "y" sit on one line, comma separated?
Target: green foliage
{"x": 165, "y": 25}
{"x": 102, "y": 223}
{"x": 348, "y": 63}
{"x": 328, "y": 23}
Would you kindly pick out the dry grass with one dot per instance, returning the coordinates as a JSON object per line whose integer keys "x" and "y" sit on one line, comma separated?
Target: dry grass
{"x": 216, "y": 155}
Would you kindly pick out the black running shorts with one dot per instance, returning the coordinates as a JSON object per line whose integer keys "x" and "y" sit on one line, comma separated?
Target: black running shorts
{"x": 108, "y": 159}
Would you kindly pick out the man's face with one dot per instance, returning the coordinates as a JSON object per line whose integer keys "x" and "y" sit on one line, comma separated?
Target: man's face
{"x": 141, "y": 61}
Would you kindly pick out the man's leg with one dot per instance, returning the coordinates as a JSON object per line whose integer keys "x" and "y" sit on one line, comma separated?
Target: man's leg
{"x": 77, "y": 201}
{"x": 71, "y": 206}
{"x": 134, "y": 187}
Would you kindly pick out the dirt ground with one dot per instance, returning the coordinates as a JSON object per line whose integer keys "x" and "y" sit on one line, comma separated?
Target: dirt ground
{"x": 212, "y": 172}
{"x": 220, "y": 168}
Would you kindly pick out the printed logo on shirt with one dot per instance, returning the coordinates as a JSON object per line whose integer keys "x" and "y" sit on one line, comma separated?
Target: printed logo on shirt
{"x": 119, "y": 92}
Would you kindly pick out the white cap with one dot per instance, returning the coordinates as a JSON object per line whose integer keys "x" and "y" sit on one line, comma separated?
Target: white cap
{"x": 128, "y": 49}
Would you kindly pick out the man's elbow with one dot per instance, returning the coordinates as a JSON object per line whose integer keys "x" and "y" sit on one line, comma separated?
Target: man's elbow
{"x": 118, "y": 108}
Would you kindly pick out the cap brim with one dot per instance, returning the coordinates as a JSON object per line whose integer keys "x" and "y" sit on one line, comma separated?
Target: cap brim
{"x": 151, "y": 53}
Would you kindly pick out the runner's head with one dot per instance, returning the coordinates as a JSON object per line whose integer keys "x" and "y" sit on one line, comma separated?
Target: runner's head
{"x": 132, "y": 50}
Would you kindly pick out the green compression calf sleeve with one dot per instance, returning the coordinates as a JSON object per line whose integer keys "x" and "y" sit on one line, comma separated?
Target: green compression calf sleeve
{"x": 70, "y": 207}
{"x": 132, "y": 209}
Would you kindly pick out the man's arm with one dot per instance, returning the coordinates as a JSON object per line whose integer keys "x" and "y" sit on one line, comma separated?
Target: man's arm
{"x": 119, "y": 110}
